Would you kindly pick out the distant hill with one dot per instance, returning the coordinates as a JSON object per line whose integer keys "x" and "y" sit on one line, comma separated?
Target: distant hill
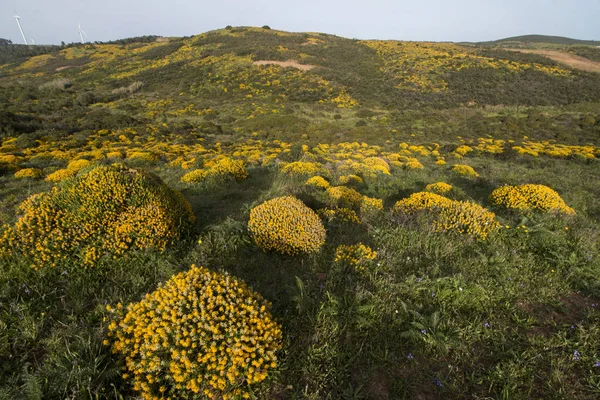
{"x": 543, "y": 39}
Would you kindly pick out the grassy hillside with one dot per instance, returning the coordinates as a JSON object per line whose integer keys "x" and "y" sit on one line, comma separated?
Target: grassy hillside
{"x": 544, "y": 39}
{"x": 406, "y": 268}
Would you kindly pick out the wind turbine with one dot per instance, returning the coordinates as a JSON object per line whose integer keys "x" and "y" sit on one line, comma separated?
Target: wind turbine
{"x": 81, "y": 32}
{"x": 20, "y": 28}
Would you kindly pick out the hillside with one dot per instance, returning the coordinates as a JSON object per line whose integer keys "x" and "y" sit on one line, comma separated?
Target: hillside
{"x": 559, "y": 40}
{"x": 253, "y": 213}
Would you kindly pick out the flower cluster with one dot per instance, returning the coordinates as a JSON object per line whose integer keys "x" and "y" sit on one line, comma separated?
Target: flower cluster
{"x": 465, "y": 170}
{"x": 438, "y": 187}
{"x": 105, "y": 211}
{"x": 340, "y": 215}
{"x": 357, "y": 256}
{"x": 303, "y": 168}
{"x": 200, "y": 334}
{"x": 222, "y": 169}
{"x": 342, "y": 196}
{"x": 28, "y": 173}
{"x": 447, "y": 215}
{"x": 318, "y": 182}
{"x": 286, "y": 225}
{"x": 530, "y": 197}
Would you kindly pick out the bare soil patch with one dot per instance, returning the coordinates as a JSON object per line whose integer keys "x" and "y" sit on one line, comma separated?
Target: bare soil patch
{"x": 569, "y": 59}
{"x": 289, "y": 63}
{"x": 63, "y": 67}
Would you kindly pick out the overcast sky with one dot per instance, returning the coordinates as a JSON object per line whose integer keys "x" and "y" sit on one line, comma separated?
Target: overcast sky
{"x": 53, "y": 21}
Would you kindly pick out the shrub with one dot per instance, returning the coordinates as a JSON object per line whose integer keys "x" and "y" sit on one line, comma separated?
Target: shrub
{"x": 222, "y": 169}
{"x": 465, "y": 170}
{"x": 343, "y": 196}
{"x": 438, "y": 187}
{"x": 413, "y": 163}
{"x": 200, "y": 334}
{"x": 447, "y": 215}
{"x": 78, "y": 165}
{"x": 318, "y": 182}
{"x": 357, "y": 256}
{"x": 530, "y": 197}
{"x": 61, "y": 174}
{"x": 28, "y": 173}
{"x": 303, "y": 168}
{"x": 286, "y": 225}
{"x": 105, "y": 211}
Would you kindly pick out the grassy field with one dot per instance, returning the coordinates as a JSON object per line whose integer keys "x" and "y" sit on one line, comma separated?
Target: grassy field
{"x": 463, "y": 296}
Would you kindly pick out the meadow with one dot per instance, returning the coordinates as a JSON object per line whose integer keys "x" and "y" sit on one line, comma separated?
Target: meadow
{"x": 399, "y": 220}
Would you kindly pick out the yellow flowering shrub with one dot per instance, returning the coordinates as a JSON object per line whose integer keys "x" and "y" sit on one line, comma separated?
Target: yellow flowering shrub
{"x": 61, "y": 175}
{"x": 197, "y": 175}
{"x": 105, "y": 211}
{"x": 221, "y": 169}
{"x": 370, "y": 204}
{"x": 303, "y": 168}
{"x": 447, "y": 215}
{"x": 465, "y": 170}
{"x": 227, "y": 167}
{"x": 286, "y": 225}
{"x": 350, "y": 179}
{"x": 28, "y": 173}
{"x": 530, "y": 197}
{"x": 343, "y": 196}
{"x": 438, "y": 187}
{"x": 342, "y": 214}
{"x": 200, "y": 335}
{"x": 78, "y": 165}
{"x": 440, "y": 162}
{"x": 413, "y": 163}
{"x": 318, "y": 182}
{"x": 357, "y": 256}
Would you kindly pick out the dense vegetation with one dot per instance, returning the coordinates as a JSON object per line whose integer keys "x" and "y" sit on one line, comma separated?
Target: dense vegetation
{"x": 251, "y": 213}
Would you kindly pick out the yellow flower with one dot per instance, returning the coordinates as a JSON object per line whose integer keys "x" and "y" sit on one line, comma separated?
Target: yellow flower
{"x": 286, "y": 225}
{"x": 530, "y": 197}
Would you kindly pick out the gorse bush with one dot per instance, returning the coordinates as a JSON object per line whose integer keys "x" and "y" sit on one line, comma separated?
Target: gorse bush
{"x": 465, "y": 170}
{"x": 223, "y": 169}
{"x": 200, "y": 335}
{"x": 104, "y": 211}
{"x": 438, "y": 187}
{"x": 286, "y": 225}
{"x": 530, "y": 197}
{"x": 356, "y": 256}
{"x": 447, "y": 215}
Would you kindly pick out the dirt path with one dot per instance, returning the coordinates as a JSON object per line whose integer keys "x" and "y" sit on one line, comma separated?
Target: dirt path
{"x": 562, "y": 57}
{"x": 289, "y": 63}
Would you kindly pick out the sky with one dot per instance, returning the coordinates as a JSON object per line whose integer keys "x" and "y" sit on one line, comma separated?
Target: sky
{"x": 53, "y": 21}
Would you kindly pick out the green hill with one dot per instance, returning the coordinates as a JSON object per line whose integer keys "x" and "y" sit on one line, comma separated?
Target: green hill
{"x": 234, "y": 73}
{"x": 544, "y": 39}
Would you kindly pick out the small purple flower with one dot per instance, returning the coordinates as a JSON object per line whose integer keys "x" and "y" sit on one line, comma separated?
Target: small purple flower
{"x": 432, "y": 294}
{"x": 597, "y": 364}
{"x": 27, "y": 291}
{"x": 593, "y": 304}
{"x": 419, "y": 279}
{"x": 410, "y": 356}
{"x": 522, "y": 285}
{"x": 486, "y": 325}
{"x": 572, "y": 326}
{"x": 424, "y": 331}
{"x": 437, "y": 382}
{"x": 510, "y": 279}
{"x": 64, "y": 272}
{"x": 576, "y": 355}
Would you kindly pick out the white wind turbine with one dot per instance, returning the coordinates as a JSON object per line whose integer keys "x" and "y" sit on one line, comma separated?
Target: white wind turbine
{"x": 20, "y": 28}
{"x": 81, "y": 32}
